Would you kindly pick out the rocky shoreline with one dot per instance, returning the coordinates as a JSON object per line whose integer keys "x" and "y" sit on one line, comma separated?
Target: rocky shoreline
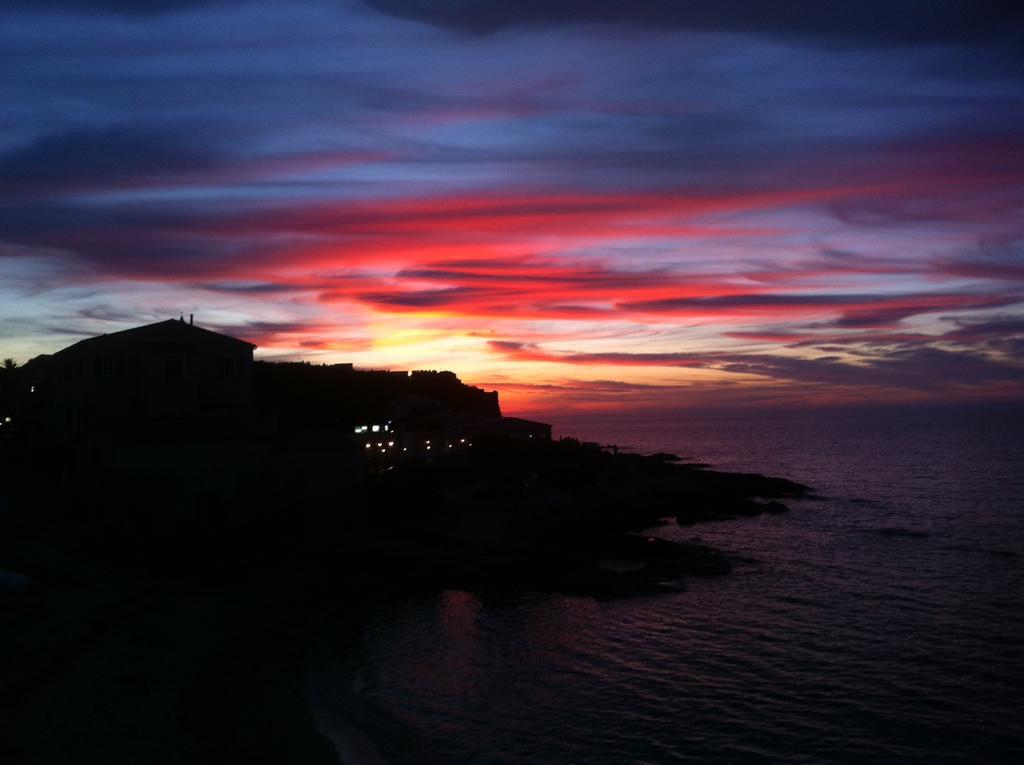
{"x": 183, "y": 654}
{"x": 564, "y": 516}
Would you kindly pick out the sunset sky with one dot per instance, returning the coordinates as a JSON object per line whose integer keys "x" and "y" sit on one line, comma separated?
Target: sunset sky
{"x": 585, "y": 204}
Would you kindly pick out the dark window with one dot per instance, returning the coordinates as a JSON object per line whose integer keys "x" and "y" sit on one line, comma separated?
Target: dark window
{"x": 230, "y": 369}
{"x": 175, "y": 368}
{"x": 106, "y": 365}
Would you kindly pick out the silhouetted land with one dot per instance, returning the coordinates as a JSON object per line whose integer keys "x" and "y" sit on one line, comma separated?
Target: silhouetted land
{"x": 157, "y": 580}
{"x": 158, "y": 639}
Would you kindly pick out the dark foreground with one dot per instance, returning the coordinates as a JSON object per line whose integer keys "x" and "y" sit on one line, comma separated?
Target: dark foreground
{"x": 149, "y": 643}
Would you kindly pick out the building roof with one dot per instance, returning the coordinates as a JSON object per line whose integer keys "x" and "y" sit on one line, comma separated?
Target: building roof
{"x": 171, "y": 330}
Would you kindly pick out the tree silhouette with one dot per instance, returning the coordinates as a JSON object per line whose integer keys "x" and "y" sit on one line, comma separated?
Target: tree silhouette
{"x": 6, "y": 375}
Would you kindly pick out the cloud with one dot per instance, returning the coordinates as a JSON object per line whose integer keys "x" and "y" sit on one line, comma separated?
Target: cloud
{"x": 1001, "y": 334}
{"x": 193, "y": 235}
{"x": 873, "y": 22}
{"x": 740, "y": 199}
{"x": 423, "y": 299}
{"x": 139, "y": 157}
{"x": 250, "y": 288}
{"x": 915, "y": 368}
{"x": 528, "y": 352}
{"x": 313, "y": 335}
{"x": 124, "y": 7}
{"x": 857, "y": 310}
{"x": 116, "y": 157}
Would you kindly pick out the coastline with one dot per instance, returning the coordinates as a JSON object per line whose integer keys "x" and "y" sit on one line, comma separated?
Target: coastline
{"x": 207, "y": 662}
{"x": 263, "y": 686}
{"x": 360, "y": 733}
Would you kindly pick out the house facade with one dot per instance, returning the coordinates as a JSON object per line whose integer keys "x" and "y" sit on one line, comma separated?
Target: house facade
{"x": 170, "y": 370}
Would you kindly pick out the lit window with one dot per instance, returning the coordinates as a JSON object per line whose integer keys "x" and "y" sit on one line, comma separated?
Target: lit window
{"x": 367, "y": 446}
{"x": 376, "y": 428}
{"x": 391, "y": 443}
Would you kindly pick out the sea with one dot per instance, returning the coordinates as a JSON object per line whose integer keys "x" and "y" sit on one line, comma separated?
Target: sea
{"x": 880, "y": 621}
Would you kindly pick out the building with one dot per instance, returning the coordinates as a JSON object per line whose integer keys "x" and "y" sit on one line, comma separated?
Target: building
{"x": 442, "y": 435}
{"x": 168, "y": 371}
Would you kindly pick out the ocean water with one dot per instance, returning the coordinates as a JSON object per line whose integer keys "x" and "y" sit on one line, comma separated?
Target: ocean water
{"x": 880, "y": 622}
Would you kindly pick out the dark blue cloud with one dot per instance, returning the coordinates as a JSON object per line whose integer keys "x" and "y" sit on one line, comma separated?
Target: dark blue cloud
{"x": 125, "y": 7}
{"x": 872, "y": 22}
{"x": 91, "y": 159}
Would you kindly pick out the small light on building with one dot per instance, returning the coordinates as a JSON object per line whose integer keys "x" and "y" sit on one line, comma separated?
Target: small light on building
{"x": 391, "y": 443}
{"x": 7, "y": 419}
{"x": 32, "y": 389}
{"x": 405, "y": 448}
{"x": 409, "y": 373}
{"x": 376, "y": 428}
{"x": 428, "y": 447}
{"x": 367, "y": 446}
{"x": 380, "y": 443}
{"x": 462, "y": 440}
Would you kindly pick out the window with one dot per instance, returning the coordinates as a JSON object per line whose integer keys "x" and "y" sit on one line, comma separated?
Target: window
{"x": 230, "y": 369}
{"x": 107, "y": 365}
{"x": 174, "y": 368}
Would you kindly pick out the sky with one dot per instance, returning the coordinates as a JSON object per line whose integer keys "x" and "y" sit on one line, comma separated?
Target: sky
{"x": 587, "y": 205}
